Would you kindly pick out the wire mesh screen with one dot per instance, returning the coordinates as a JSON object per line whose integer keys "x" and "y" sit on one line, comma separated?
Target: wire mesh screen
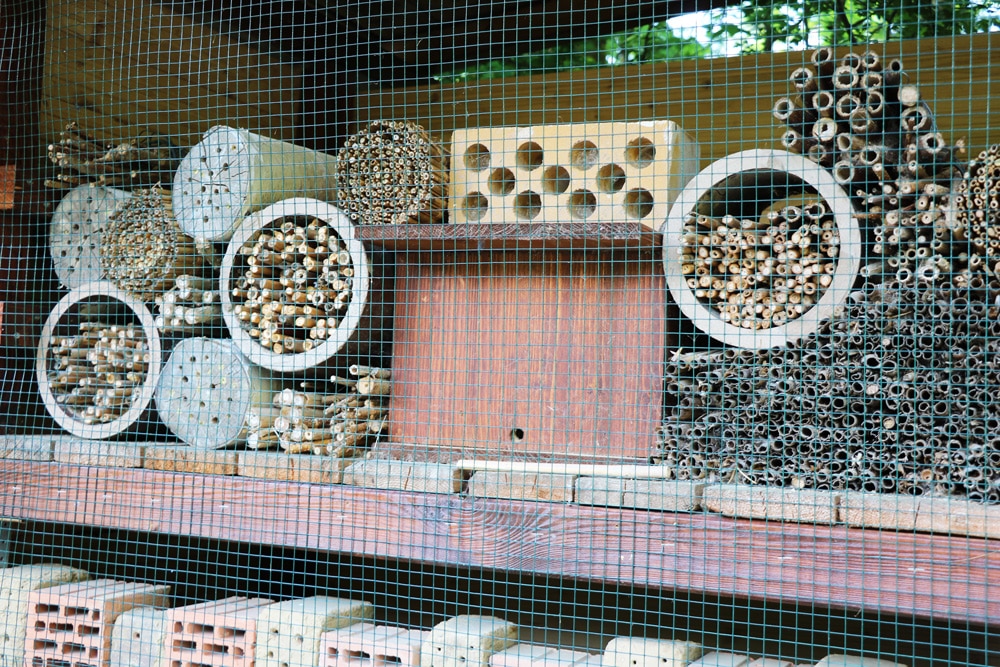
{"x": 499, "y": 334}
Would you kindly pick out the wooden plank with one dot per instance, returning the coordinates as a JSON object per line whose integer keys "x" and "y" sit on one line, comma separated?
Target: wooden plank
{"x": 831, "y": 566}
{"x": 725, "y": 103}
{"x": 568, "y": 235}
{"x": 553, "y": 355}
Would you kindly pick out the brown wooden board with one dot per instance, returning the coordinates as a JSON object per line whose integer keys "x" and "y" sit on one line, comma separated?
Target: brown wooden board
{"x": 883, "y": 571}
{"x": 724, "y": 103}
{"x": 539, "y": 355}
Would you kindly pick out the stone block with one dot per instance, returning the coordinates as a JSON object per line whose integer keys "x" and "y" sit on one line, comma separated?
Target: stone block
{"x": 667, "y": 495}
{"x": 879, "y": 510}
{"x": 601, "y": 491}
{"x": 289, "y": 633}
{"x": 522, "y": 486}
{"x": 137, "y": 638}
{"x": 189, "y": 459}
{"x": 281, "y": 467}
{"x": 774, "y": 503}
{"x": 771, "y": 662}
{"x": 28, "y": 447}
{"x": 838, "y": 660}
{"x": 467, "y": 641}
{"x": 717, "y": 659}
{"x": 404, "y": 476}
{"x": 956, "y": 516}
{"x": 535, "y": 655}
{"x": 642, "y": 652}
{"x": 82, "y": 452}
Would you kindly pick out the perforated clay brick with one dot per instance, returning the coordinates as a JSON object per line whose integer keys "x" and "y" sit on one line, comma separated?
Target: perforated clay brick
{"x": 222, "y": 633}
{"x": 71, "y": 625}
{"x": 289, "y": 633}
{"x": 15, "y": 585}
{"x": 370, "y": 645}
{"x": 577, "y": 172}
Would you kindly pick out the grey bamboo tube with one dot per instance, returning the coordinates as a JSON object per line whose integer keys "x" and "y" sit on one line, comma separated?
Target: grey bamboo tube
{"x": 75, "y": 232}
{"x": 721, "y": 189}
{"x": 295, "y": 317}
{"x": 231, "y": 173}
{"x": 96, "y": 388}
{"x": 210, "y": 395}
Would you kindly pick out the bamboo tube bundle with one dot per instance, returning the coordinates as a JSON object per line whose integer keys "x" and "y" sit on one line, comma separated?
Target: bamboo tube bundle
{"x": 392, "y": 172}
{"x": 892, "y": 394}
{"x": 143, "y": 249}
{"x": 210, "y": 396}
{"x": 75, "y": 233}
{"x": 341, "y": 424}
{"x": 880, "y": 141}
{"x": 98, "y": 361}
{"x": 190, "y": 307}
{"x": 976, "y": 205}
{"x": 231, "y": 173}
{"x": 83, "y": 160}
{"x": 296, "y": 287}
{"x": 749, "y": 271}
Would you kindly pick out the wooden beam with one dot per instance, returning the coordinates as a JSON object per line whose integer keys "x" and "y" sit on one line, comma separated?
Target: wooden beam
{"x": 933, "y": 576}
{"x": 725, "y": 103}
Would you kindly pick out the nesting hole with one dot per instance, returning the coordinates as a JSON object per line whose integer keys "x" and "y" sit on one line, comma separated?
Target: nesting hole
{"x": 527, "y": 205}
{"x": 581, "y": 204}
{"x": 501, "y": 181}
{"x": 584, "y": 154}
{"x": 638, "y": 203}
{"x": 475, "y": 206}
{"x": 610, "y": 178}
{"x": 477, "y": 157}
{"x": 555, "y": 180}
{"x": 529, "y": 156}
{"x": 516, "y": 434}
{"x": 640, "y": 152}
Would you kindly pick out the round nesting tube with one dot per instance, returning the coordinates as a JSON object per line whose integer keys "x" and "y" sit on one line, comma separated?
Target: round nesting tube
{"x": 749, "y": 185}
{"x": 98, "y": 361}
{"x": 75, "y": 232}
{"x": 210, "y": 396}
{"x": 232, "y": 172}
{"x": 296, "y": 287}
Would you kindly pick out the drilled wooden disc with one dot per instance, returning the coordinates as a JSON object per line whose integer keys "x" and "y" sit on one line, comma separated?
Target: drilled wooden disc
{"x": 205, "y": 392}
{"x": 753, "y": 180}
{"x": 75, "y": 232}
{"x": 105, "y": 293}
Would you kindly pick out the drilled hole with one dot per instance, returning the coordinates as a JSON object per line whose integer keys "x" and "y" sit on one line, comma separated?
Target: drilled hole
{"x": 475, "y": 206}
{"x": 610, "y": 178}
{"x": 516, "y": 434}
{"x": 582, "y": 204}
{"x": 527, "y": 205}
{"x": 501, "y": 181}
{"x": 555, "y": 180}
{"x": 638, "y": 203}
{"x": 477, "y": 157}
{"x": 640, "y": 152}
{"x": 584, "y": 154}
{"x": 529, "y": 156}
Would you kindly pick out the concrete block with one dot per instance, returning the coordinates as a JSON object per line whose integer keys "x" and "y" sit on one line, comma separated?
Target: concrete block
{"x": 602, "y": 491}
{"x": 28, "y": 447}
{"x": 137, "y": 638}
{"x": 879, "y": 510}
{"x": 281, "y": 467}
{"x": 716, "y": 659}
{"x": 467, "y": 641}
{"x": 15, "y": 584}
{"x": 593, "y": 172}
{"x": 370, "y": 645}
{"x": 404, "y": 476}
{"x": 74, "y": 622}
{"x": 771, "y": 662}
{"x": 780, "y": 504}
{"x": 289, "y": 633}
{"x": 222, "y": 633}
{"x": 958, "y": 517}
{"x": 837, "y": 660}
{"x": 522, "y": 486}
{"x": 189, "y": 459}
{"x": 536, "y": 655}
{"x": 77, "y": 451}
{"x": 641, "y": 652}
{"x": 667, "y": 495}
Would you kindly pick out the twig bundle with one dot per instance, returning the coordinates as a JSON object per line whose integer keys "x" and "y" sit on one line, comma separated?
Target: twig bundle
{"x": 977, "y": 206}
{"x": 191, "y": 304}
{"x": 761, "y": 273}
{"x": 93, "y": 373}
{"x": 341, "y": 424}
{"x": 143, "y": 250}
{"x": 141, "y": 161}
{"x": 392, "y": 173}
{"x": 295, "y": 286}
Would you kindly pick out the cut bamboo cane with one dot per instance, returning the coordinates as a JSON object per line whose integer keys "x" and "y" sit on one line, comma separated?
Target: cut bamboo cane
{"x": 75, "y": 232}
{"x": 231, "y": 173}
{"x": 100, "y": 396}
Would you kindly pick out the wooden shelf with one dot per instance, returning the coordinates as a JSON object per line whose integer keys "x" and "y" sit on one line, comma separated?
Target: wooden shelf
{"x": 570, "y": 235}
{"x": 868, "y": 570}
